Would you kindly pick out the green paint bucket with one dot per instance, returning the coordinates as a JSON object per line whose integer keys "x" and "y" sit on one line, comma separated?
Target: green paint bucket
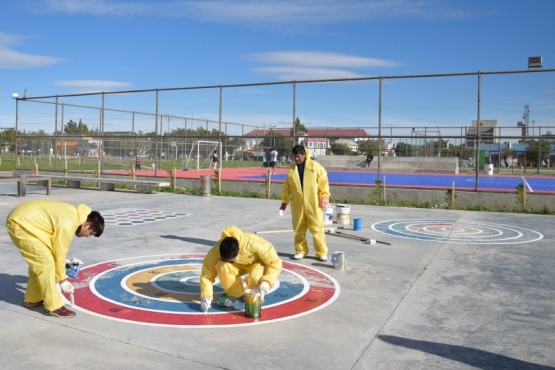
{"x": 253, "y": 304}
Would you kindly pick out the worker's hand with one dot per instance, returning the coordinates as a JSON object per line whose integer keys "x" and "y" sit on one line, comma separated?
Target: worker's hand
{"x": 324, "y": 202}
{"x": 264, "y": 289}
{"x": 205, "y": 304}
{"x": 283, "y": 206}
{"x": 67, "y": 287}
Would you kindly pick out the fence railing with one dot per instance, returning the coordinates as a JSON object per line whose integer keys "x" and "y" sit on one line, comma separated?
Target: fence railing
{"x": 477, "y": 116}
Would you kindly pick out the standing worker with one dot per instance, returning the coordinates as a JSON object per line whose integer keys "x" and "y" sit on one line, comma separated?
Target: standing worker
{"x": 138, "y": 163}
{"x": 307, "y": 188}
{"x": 236, "y": 254}
{"x": 42, "y": 230}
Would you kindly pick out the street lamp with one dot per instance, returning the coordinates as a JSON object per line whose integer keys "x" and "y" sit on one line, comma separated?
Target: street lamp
{"x": 16, "y": 97}
{"x": 272, "y": 126}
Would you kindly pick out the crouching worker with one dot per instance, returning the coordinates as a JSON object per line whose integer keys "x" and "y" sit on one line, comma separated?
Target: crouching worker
{"x": 240, "y": 260}
{"x": 42, "y": 230}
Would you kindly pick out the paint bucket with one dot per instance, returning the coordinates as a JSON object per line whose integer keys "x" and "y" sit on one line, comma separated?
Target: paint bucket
{"x": 357, "y": 224}
{"x": 328, "y": 216}
{"x": 339, "y": 261}
{"x": 343, "y": 215}
{"x": 253, "y": 304}
{"x": 72, "y": 271}
{"x": 205, "y": 185}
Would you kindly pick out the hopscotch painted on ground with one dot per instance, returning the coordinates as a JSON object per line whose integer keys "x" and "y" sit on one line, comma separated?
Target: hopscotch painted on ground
{"x": 137, "y": 216}
{"x": 165, "y": 290}
{"x": 456, "y": 231}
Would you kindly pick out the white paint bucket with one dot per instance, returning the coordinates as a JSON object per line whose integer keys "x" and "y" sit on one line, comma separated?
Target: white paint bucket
{"x": 343, "y": 215}
{"x": 328, "y": 216}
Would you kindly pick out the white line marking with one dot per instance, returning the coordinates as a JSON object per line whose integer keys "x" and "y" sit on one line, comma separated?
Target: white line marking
{"x": 527, "y": 185}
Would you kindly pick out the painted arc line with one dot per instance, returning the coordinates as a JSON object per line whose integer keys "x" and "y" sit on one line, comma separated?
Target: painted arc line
{"x": 312, "y": 290}
{"x": 515, "y": 234}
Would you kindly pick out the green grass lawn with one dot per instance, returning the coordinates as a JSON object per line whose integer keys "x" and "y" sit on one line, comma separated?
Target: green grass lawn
{"x": 79, "y": 164}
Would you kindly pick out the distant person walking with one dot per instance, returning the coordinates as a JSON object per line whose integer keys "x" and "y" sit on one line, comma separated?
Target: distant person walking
{"x": 273, "y": 158}
{"x": 215, "y": 159}
{"x": 369, "y": 158}
{"x": 138, "y": 163}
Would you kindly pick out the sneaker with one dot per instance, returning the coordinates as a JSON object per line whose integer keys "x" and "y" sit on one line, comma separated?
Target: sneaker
{"x": 62, "y": 312}
{"x": 299, "y": 256}
{"x": 323, "y": 258}
{"x": 32, "y": 304}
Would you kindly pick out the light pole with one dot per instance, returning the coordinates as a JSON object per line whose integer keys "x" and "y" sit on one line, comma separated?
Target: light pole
{"x": 16, "y": 97}
{"x": 272, "y": 126}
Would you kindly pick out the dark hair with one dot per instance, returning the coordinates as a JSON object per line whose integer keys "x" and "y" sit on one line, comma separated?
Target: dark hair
{"x": 229, "y": 248}
{"x": 97, "y": 223}
{"x": 298, "y": 149}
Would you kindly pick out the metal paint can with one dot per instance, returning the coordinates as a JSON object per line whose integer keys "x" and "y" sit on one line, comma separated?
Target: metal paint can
{"x": 339, "y": 261}
{"x": 357, "y": 224}
{"x": 343, "y": 214}
{"x": 253, "y": 303}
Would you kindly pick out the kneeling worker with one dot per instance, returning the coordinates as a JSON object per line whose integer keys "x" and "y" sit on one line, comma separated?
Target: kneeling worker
{"x": 236, "y": 254}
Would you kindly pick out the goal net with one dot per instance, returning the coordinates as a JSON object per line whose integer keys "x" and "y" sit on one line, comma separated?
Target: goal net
{"x": 201, "y": 153}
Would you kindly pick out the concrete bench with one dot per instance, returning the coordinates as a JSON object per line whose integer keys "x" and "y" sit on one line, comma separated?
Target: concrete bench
{"x": 107, "y": 184}
{"x": 24, "y": 179}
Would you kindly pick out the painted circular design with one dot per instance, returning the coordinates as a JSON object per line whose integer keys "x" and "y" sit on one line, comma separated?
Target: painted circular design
{"x": 457, "y": 231}
{"x": 165, "y": 290}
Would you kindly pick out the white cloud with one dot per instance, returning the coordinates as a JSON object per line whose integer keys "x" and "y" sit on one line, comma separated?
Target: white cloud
{"x": 302, "y": 73}
{"x": 90, "y": 86}
{"x": 13, "y": 59}
{"x": 263, "y": 11}
{"x": 321, "y": 59}
{"x": 308, "y": 65}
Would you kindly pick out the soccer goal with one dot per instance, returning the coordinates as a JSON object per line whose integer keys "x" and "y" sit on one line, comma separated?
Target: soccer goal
{"x": 202, "y": 152}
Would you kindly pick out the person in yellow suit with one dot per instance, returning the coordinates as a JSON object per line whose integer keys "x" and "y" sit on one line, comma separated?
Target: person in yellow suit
{"x": 42, "y": 230}
{"x": 236, "y": 254}
{"x": 307, "y": 188}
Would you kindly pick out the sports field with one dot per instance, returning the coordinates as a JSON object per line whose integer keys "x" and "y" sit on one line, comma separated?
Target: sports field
{"x": 497, "y": 182}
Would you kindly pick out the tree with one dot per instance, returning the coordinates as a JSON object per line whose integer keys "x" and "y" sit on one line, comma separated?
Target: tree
{"x": 7, "y": 139}
{"x": 403, "y": 150}
{"x": 72, "y": 128}
{"x": 438, "y": 148}
{"x": 538, "y": 151}
{"x": 283, "y": 144}
{"x": 370, "y": 146}
{"x": 298, "y": 127}
{"x": 340, "y": 149}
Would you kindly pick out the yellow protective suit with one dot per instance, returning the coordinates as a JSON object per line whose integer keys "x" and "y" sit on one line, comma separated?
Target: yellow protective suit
{"x": 305, "y": 204}
{"x": 42, "y": 230}
{"x": 257, "y": 258}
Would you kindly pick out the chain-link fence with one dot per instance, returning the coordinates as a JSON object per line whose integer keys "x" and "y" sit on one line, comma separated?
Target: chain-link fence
{"x": 503, "y": 118}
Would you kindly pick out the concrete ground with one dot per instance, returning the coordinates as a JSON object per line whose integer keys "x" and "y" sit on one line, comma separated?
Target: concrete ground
{"x": 441, "y": 296}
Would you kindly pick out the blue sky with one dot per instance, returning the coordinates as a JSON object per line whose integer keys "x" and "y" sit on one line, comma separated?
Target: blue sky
{"x": 55, "y": 47}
